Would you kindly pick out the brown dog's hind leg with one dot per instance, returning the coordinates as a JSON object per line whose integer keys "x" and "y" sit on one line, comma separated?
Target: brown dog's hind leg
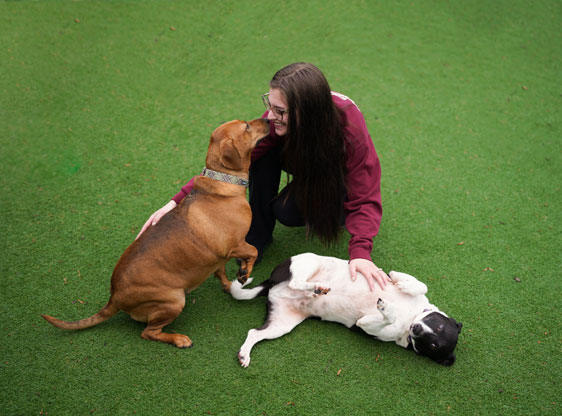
{"x": 221, "y": 275}
{"x": 158, "y": 320}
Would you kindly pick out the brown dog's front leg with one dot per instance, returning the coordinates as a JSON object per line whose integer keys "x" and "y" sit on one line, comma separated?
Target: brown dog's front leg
{"x": 242, "y": 273}
{"x": 221, "y": 275}
{"x": 248, "y": 253}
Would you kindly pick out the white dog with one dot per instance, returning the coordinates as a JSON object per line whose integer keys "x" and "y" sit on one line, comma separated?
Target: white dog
{"x": 310, "y": 285}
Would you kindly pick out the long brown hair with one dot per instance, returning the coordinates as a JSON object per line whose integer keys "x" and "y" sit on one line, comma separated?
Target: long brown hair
{"x": 314, "y": 151}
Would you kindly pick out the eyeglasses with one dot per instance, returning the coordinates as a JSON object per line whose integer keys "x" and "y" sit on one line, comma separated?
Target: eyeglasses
{"x": 279, "y": 113}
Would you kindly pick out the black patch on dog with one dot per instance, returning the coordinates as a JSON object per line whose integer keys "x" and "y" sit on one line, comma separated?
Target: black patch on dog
{"x": 267, "y": 320}
{"x": 440, "y": 344}
{"x": 280, "y": 274}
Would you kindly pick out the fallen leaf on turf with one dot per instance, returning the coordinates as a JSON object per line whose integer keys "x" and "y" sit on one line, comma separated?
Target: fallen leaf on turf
{"x": 460, "y": 244}
{"x": 518, "y": 280}
{"x": 339, "y": 372}
{"x": 488, "y": 269}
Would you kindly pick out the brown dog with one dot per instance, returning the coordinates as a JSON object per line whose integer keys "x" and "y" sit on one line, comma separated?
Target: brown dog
{"x": 189, "y": 243}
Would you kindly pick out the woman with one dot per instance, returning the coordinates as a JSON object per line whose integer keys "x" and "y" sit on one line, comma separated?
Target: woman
{"x": 321, "y": 140}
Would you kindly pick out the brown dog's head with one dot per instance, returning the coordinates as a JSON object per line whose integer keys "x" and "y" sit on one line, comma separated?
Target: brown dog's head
{"x": 232, "y": 144}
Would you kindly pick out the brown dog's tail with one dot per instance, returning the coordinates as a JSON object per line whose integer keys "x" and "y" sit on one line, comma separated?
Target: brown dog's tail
{"x": 103, "y": 315}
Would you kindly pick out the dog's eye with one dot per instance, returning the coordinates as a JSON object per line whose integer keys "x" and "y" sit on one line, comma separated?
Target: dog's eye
{"x": 434, "y": 346}
{"x": 247, "y": 126}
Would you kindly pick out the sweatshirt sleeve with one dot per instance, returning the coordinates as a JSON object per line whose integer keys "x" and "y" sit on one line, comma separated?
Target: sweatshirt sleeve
{"x": 363, "y": 205}
{"x": 185, "y": 190}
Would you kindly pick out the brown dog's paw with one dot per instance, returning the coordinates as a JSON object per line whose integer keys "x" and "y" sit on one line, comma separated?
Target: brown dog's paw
{"x": 182, "y": 341}
{"x": 242, "y": 275}
{"x": 226, "y": 287}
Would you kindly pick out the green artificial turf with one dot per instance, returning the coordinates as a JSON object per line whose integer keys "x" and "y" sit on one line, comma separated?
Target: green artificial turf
{"x": 106, "y": 109}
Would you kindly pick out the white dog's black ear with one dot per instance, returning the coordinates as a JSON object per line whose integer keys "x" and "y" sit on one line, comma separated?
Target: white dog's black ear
{"x": 459, "y": 326}
{"x": 447, "y": 362}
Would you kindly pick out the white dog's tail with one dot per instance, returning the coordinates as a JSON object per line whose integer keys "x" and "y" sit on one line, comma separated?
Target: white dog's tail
{"x": 238, "y": 292}
{"x": 280, "y": 274}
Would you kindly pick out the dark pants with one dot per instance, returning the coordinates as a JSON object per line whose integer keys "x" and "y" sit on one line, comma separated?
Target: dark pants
{"x": 269, "y": 205}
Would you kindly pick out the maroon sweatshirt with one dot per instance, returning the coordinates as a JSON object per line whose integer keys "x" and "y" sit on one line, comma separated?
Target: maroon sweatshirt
{"x": 363, "y": 207}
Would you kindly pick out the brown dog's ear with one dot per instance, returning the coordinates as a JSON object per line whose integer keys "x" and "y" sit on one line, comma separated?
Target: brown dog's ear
{"x": 229, "y": 155}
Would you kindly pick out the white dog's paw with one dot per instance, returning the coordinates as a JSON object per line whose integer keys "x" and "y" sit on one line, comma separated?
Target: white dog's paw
{"x": 400, "y": 277}
{"x": 321, "y": 290}
{"x": 404, "y": 285}
{"x": 412, "y": 287}
{"x": 296, "y": 284}
{"x": 407, "y": 284}
{"x": 243, "y": 359}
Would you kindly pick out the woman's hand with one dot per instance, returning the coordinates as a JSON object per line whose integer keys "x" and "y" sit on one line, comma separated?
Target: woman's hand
{"x": 371, "y": 272}
{"x": 154, "y": 218}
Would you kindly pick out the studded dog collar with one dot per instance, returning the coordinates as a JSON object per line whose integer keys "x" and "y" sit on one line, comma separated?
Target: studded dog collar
{"x": 224, "y": 177}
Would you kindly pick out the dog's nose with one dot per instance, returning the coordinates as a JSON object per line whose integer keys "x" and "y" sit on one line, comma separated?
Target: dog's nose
{"x": 417, "y": 329}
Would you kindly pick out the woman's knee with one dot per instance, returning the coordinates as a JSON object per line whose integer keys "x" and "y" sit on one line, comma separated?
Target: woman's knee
{"x": 286, "y": 211}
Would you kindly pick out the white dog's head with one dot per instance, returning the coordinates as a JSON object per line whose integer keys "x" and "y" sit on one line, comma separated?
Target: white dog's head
{"x": 435, "y": 335}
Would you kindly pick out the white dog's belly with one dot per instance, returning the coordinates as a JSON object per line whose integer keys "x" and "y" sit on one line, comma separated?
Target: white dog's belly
{"x": 346, "y": 302}
{"x": 330, "y": 307}
{"x": 340, "y": 308}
